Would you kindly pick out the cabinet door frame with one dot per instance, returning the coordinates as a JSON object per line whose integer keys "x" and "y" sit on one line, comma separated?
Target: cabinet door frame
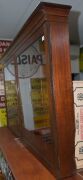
{"x": 52, "y": 21}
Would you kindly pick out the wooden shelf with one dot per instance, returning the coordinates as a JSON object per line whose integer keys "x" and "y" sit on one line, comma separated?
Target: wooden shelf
{"x": 21, "y": 162}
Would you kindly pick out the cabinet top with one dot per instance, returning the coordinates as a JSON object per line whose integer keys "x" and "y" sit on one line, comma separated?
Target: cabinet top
{"x": 44, "y": 12}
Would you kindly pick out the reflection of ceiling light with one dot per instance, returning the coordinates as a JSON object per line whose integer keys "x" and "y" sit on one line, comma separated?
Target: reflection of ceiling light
{"x": 42, "y": 38}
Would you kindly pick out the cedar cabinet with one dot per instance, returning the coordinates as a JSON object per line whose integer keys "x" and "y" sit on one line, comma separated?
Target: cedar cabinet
{"x": 38, "y": 88}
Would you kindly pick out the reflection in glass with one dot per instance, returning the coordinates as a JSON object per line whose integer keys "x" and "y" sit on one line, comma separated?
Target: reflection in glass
{"x": 31, "y": 73}
{"x": 4, "y": 167}
{"x": 34, "y": 87}
{"x": 35, "y": 91}
{"x": 11, "y": 95}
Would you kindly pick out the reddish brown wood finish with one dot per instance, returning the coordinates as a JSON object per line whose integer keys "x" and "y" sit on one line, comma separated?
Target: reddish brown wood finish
{"x": 22, "y": 163}
{"x": 75, "y": 177}
{"x": 52, "y": 21}
{"x": 62, "y": 90}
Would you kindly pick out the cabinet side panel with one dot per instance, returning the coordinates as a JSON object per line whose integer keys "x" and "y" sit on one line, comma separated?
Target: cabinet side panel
{"x": 63, "y": 95}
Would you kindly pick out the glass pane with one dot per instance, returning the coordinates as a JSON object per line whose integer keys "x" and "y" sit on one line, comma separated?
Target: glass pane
{"x": 35, "y": 96}
{"x": 3, "y": 114}
{"x": 11, "y": 94}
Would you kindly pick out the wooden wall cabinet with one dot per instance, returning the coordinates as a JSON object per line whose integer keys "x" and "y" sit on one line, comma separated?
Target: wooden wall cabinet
{"x": 39, "y": 88}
